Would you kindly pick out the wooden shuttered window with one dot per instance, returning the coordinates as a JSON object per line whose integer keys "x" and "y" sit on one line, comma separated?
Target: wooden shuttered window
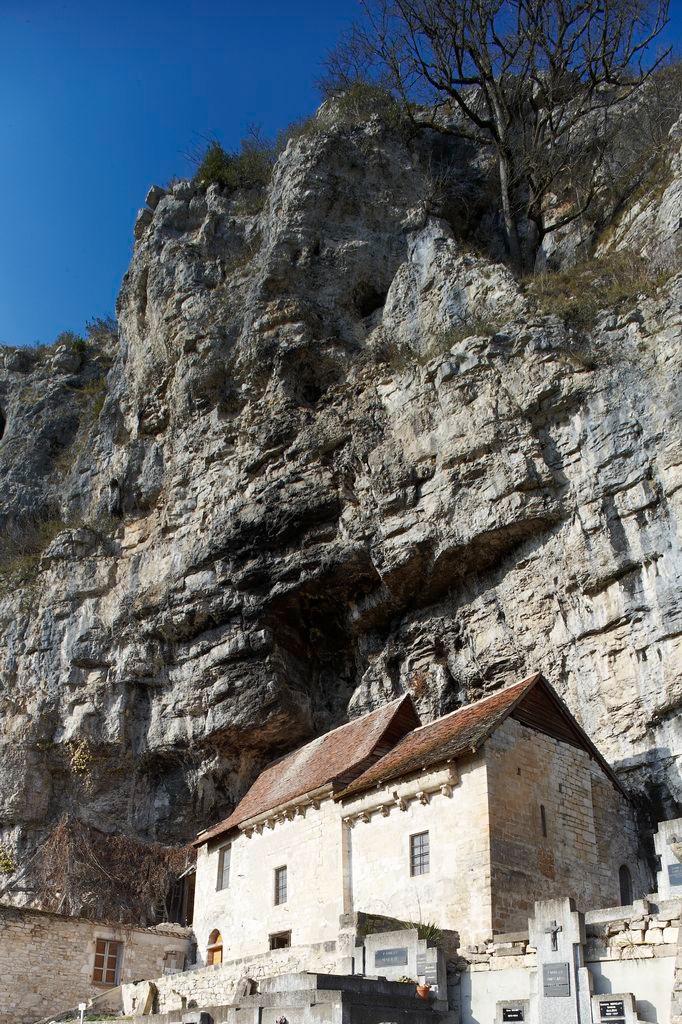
{"x": 108, "y": 957}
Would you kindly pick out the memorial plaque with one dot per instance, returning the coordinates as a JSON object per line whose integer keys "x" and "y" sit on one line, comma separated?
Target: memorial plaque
{"x": 427, "y": 968}
{"x": 611, "y": 1008}
{"x": 390, "y": 957}
{"x": 512, "y": 1013}
{"x": 556, "y": 980}
{"x": 675, "y": 874}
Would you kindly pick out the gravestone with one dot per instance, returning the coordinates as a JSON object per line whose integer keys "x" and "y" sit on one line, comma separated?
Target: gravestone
{"x": 668, "y": 845}
{"x": 402, "y": 954}
{"x": 616, "y": 1007}
{"x": 563, "y": 988}
{"x": 508, "y": 1010}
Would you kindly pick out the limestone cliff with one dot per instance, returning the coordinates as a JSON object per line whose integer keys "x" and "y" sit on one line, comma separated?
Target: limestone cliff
{"x": 337, "y": 455}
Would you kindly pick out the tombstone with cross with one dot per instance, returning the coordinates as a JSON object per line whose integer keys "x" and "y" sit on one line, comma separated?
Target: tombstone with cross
{"x": 558, "y": 933}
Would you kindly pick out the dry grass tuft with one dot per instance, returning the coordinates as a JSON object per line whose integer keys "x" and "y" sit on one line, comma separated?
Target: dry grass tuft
{"x": 579, "y": 293}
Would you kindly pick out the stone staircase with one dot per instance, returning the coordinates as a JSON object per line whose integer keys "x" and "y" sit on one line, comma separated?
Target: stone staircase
{"x": 314, "y": 999}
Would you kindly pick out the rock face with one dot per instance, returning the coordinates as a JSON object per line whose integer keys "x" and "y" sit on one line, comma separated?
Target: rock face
{"x": 338, "y": 456}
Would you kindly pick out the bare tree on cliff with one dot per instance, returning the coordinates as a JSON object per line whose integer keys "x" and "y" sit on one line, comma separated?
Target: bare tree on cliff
{"x": 540, "y": 81}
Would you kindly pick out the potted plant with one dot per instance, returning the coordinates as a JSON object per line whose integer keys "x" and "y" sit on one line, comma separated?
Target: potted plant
{"x": 423, "y": 990}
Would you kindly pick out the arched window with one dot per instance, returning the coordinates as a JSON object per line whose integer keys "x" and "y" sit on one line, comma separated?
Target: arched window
{"x": 625, "y": 882}
{"x": 214, "y": 953}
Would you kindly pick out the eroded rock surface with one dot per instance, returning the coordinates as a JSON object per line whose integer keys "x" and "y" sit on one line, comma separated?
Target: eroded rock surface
{"x": 338, "y": 456}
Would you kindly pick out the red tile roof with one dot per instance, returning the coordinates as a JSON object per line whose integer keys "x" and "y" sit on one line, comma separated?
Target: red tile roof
{"x": 390, "y": 743}
{"x": 445, "y": 739}
{"x": 334, "y": 758}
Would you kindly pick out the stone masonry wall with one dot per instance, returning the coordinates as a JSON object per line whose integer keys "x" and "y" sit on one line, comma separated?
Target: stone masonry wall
{"x": 528, "y": 771}
{"x": 214, "y": 986}
{"x": 455, "y": 893}
{"x": 47, "y": 960}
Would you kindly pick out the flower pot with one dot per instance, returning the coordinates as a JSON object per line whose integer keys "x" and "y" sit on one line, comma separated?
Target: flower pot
{"x": 423, "y": 991}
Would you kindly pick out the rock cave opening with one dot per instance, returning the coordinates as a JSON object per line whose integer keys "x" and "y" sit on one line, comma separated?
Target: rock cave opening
{"x": 367, "y": 298}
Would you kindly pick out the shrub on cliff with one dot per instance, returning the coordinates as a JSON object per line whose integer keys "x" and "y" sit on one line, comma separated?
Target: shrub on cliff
{"x": 22, "y": 543}
{"x": 250, "y": 167}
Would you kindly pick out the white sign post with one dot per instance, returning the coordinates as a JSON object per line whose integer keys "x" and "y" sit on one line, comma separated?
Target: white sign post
{"x": 82, "y": 1007}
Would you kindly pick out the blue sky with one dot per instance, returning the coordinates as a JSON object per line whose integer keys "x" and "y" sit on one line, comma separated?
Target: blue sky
{"x": 98, "y": 100}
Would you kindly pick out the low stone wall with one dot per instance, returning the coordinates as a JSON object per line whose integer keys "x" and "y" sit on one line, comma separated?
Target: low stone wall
{"x": 642, "y": 931}
{"x": 214, "y": 986}
{"x": 211, "y": 986}
{"x": 47, "y": 961}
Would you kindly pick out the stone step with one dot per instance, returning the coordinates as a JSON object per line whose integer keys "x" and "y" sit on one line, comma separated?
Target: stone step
{"x": 301, "y": 1005}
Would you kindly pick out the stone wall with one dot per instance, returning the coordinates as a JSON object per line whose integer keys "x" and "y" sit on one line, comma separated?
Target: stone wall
{"x": 47, "y": 960}
{"x": 309, "y": 844}
{"x": 589, "y": 827}
{"x": 214, "y": 986}
{"x": 453, "y": 809}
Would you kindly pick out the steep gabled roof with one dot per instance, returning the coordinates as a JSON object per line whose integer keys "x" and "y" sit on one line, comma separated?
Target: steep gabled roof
{"x": 444, "y": 739}
{"x": 532, "y": 701}
{"x": 333, "y": 759}
{"x": 391, "y": 743}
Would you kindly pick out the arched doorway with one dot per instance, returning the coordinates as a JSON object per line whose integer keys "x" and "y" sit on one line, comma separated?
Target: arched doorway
{"x": 625, "y": 882}
{"x": 214, "y": 952}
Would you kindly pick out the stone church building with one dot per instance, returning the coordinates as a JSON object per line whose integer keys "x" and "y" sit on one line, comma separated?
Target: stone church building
{"x": 462, "y": 822}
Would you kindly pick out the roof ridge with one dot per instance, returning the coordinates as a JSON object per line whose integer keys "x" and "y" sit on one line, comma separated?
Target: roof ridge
{"x": 352, "y": 721}
{"x": 330, "y": 732}
{"x": 473, "y": 703}
{"x": 475, "y": 725}
{"x": 318, "y": 760}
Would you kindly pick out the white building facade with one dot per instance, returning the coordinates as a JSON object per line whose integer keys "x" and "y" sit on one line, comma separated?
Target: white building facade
{"x": 462, "y": 823}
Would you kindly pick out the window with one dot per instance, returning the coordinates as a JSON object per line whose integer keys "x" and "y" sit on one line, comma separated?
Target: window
{"x": 280, "y": 885}
{"x": 280, "y": 940}
{"x": 224, "y": 855}
{"x": 214, "y": 952}
{"x": 625, "y": 883}
{"x": 543, "y": 819}
{"x": 173, "y": 961}
{"x": 419, "y": 854}
{"x": 108, "y": 957}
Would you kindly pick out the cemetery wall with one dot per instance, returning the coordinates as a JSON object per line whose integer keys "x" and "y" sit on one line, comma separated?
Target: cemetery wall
{"x": 47, "y": 961}
{"x": 628, "y": 949}
{"x": 553, "y": 818}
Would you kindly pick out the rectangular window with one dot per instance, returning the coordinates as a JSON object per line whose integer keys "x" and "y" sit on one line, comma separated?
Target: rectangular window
{"x": 419, "y": 854}
{"x": 280, "y": 885}
{"x": 173, "y": 962}
{"x": 108, "y": 957}
{"x": 280, "y": 940}
{"x": 224, "y": 855}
